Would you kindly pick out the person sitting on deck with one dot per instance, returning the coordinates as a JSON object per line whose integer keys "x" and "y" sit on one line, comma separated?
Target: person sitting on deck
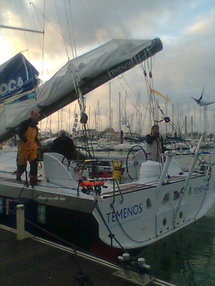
{"x": 154, "y": 144}
{"x": 28, "y": 146}
{"x": 65, "y": 146}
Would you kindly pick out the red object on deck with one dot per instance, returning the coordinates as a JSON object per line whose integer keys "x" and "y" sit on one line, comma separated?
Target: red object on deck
{"x": 91, "y": 183}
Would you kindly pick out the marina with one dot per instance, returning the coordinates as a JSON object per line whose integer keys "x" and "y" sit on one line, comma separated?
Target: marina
{"x": 107, "y": 162}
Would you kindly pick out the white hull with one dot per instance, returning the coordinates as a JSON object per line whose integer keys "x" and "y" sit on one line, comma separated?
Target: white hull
{"x": 144, "y": 216}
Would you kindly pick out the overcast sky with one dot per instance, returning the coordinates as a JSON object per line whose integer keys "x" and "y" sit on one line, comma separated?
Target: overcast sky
{"x": 186, "y": 28}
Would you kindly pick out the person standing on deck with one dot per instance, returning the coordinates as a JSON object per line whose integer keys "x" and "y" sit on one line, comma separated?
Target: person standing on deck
{"x": 154, "y": 144}
{"x": 28, "y": 146}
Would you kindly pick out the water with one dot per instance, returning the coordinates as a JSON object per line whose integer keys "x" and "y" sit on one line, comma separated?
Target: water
{"x": 186, "y": 258}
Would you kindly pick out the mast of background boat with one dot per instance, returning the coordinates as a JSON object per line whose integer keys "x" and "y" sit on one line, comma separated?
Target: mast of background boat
{"x": 185, "y": 125}
{"x": 110, "y": 107}
{"x": 191, "y": 124}
{"x": 205, "y": 121}
{"x": 99, "y": 117}
{"x": 166, "y": 112}
{"x": 50, "y": 126}
{"x": 120, "y": 120}
{"x": 139, "y": 120}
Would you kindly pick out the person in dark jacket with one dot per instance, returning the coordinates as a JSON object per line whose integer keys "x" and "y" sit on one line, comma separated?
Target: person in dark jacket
{"x": 154, "y": 144}
{"x": 28, "y": 146}
{"x": 65, "y": 146}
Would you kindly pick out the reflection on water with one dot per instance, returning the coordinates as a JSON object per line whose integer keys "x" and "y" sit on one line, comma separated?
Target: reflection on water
{"x": 186, "y": 258}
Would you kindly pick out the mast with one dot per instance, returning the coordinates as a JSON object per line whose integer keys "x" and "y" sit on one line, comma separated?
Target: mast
{"x": 50, "y": 126}
{"x": 185, "y": 127}
{"x": 191, "y": 124}
{"x": 95, "y": 120}
{"x": 89, "y": 117}
{"x": 69, "y": 121}
{"x": 58, "y": 120}
{"x": 173, "y": 113}
{"x": 166, "y": 112}
{"x": 120, "y": 119}
{"x": 205, "y": 121}
{"x": 139, "y": 115}
{"x": 99, "y": 123}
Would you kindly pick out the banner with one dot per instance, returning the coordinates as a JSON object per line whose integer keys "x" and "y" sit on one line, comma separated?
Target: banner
{"x": 17, "y": 76}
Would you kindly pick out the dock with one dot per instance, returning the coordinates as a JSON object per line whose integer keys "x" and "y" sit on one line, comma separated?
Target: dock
{"x": 28, "y": 260}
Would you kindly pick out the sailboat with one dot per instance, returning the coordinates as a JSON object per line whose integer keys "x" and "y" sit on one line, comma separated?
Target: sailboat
{"x": 160, "y": 197}
{"x": 141, "y": 201}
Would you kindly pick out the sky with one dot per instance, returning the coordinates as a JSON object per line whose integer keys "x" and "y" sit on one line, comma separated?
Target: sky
{"x": 73, "y": 27}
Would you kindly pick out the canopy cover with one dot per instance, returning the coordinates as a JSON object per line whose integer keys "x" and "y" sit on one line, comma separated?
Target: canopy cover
{"x": 83, "y": 73}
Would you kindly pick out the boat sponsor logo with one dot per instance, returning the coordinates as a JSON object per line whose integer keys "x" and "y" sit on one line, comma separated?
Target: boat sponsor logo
{"x": 115, "y": 71}
{"x": 11, "y": 86}
{"x": 124, "y": 213}
{"x": 200, "y": 189}
{"x": 55, "y": 198}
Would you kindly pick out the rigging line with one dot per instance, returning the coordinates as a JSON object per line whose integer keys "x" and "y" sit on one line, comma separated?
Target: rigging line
{"x": 47, "y": 121}
{"x": 74, "y": 46}
{"x": 76, "y": 82}
{"x": 43, "y": 41}
{"x": 56, "y": 29}
{"x": 114, "y": 11}
{"x": 102, "y": 35}
{"x": 59, "y": 20}
{"x": 71, "y": 31}
{"x": 25, "y": 35}
{"x": 74, "y": 73}
{"x": 149, "y": 84}
{"x": 123, "y": 230}
{"x": 146, "y": 69}
{"x": 145, "y": 78}
{"x": 87, "y": 13}
{"x": 132, "y": 92}
{"x": 111, "y": 235}
{"x": 38, "y": 19}
{"x": 68, "y": 26}
{"x": 144, "y": 119}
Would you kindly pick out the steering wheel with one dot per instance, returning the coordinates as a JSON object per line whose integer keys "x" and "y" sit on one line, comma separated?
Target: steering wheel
{"x": 86, "y": 150}
{"x": 140, "y": 156}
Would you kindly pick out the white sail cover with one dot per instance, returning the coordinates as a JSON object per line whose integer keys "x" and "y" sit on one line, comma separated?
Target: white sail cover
{"x": 85, "y": 73}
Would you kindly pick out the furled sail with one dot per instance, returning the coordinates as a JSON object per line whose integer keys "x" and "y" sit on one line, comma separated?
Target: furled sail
{"x": 83, "y": 73}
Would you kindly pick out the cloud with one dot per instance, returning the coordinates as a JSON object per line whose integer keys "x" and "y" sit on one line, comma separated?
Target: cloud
{"x": 186, "y": 29}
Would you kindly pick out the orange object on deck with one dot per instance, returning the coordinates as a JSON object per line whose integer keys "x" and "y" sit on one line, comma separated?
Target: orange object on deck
{"x": 91, "y": 183}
